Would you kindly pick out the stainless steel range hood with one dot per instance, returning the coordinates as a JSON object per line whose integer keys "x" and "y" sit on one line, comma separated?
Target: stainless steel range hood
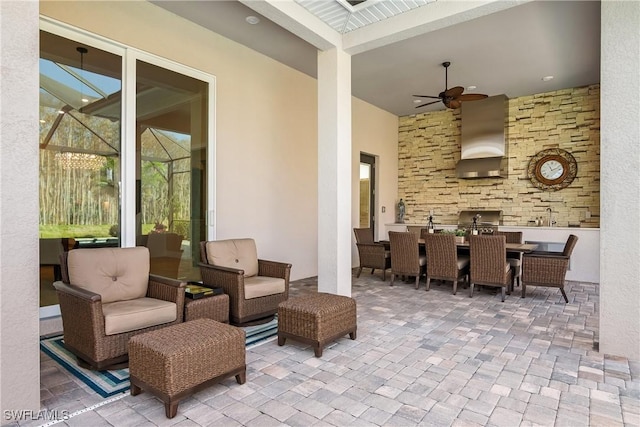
{"x": 484, "y": 152}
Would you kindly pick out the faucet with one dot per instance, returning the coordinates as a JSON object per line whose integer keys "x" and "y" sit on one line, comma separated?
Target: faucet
{"x": 551, "y": 220}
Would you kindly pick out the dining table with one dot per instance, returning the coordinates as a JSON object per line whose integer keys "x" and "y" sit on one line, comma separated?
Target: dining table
{"x": 510, "y": 247}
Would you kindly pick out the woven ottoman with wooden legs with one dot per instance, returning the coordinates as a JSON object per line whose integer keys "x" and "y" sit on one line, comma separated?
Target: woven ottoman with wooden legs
{"x": 174, "y": 362}
{"x": 316, "y": 319}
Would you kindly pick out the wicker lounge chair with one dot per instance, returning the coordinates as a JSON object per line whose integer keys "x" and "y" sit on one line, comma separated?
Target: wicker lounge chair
{"x": 489, "y": 264}
{"x": 372, "y": 255}
{"x": 547, "y": 268}
{"x": 107, "y": 296}
{"x": 405, "y": 257}
{"x": 443, "y": 262}
{"x": 255, "y": 286}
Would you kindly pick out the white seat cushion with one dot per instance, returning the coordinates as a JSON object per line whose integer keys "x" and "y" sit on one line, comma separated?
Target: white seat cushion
{"x": 131, "y": 315}
{"x": 514, "y": 262}
{"x": 463, "y": 261}
{"x": 234, "y": 253}
{"x": 116, "y": 274}
{"x": 422, "y": 260}
{"x": 262, "y": 286}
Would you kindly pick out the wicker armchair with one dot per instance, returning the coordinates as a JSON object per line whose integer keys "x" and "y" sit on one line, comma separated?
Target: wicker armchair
{"x": 255, "y": 287}
{"x": 513, "y": 258}
{"x": 443, "y": 262}
{"x": 405, "y": 257}
{"x": 547, "y": 268}
{"x": 107, "y": 296}
{"x": 489, "y": 266}
{"x": 372, "y": 255}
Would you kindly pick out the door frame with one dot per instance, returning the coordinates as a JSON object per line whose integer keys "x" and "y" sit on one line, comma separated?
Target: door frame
{"x": 371, "y": 161}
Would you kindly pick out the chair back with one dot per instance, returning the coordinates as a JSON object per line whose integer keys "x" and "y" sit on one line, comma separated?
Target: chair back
{"x": 488, "y": 259}
{"x": 405, "y": 258}
{"x": 442, "y": 256}
{"x": 164, "y": 245}
{"x": 363, "y": 235}
{"x": 117, "y": 274}
{"x": 415, "y": 229}
{"x": 571, "y": 243}
{"x": 240, "y": 254}
{"x": 510, "y": 236}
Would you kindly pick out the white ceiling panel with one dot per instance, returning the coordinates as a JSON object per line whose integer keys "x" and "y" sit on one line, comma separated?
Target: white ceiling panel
{"x": 343, "y": 18}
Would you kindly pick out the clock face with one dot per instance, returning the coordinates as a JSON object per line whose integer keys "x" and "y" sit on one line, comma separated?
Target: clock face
{"x": 552, "y": 169}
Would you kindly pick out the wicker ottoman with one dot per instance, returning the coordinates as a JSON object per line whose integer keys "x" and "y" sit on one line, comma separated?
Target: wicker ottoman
{"x": 316, "y": 319}
{"x": 174, "y": 362}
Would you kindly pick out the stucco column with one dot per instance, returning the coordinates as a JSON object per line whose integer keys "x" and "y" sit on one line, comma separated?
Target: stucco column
{"x": 19, "y": 327}
{"x": 619, "y": 183}
{"x": 334, "y": 172}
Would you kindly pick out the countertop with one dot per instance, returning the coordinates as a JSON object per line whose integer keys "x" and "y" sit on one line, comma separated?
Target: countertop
{"x": 500, "y": 227}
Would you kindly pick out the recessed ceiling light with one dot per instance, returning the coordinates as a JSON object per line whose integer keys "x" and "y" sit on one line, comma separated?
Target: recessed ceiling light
{"x": 85, "y": 100}
{"x": 43, "y": 121}
{"x": 471, "y": 87}
{"x": 253, "y": 20}
{"x": 547, "y": 78}
{"x": 417, "y": 101}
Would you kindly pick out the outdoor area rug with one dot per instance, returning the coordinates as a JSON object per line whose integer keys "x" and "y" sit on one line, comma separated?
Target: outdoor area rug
{"x": 110, "y": 383}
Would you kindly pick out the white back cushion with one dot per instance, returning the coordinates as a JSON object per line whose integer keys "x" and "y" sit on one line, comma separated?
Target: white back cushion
{"x": 118, "y": 274}
{"x": 234, "y": 253}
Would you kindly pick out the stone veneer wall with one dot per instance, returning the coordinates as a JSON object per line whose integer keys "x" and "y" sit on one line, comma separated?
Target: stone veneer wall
{"x": 429, "y": 148}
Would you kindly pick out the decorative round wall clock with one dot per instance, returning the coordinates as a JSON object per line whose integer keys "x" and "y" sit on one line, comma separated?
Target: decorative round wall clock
{"x": 552, "y": 169}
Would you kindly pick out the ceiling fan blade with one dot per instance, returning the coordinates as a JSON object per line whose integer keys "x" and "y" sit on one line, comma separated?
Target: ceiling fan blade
{"x": 472, "y": 97}
{"x": 428, "y": 103}
{"x": 454, "y": 92}
{"x": 427, "y": 96}
{"x": 455, "y": 103}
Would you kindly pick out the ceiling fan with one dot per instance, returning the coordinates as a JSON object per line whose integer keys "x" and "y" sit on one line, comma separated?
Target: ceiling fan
{"x": 451, "y": 98}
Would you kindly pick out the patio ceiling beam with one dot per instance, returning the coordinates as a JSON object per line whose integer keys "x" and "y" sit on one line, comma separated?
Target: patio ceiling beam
{"x": 296, "y": 19}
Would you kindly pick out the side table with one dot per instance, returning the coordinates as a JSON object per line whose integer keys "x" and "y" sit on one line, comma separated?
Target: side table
{"x": 215, "y": 307}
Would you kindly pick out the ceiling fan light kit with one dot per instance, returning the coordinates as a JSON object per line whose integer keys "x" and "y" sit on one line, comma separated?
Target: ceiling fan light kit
{"x": 452, "y": 97}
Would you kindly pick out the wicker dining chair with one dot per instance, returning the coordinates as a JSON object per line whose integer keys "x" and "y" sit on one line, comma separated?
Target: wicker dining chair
{"x": 406, "y": 259}
{"x": 443, "y": 262}
{"x": 513, "y": 258}
{"x": 548, "y": 268}
{"x": 372, "y": 255}
{"x": 489, "y": 266}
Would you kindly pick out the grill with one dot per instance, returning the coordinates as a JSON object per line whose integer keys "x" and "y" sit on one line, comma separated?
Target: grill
{"x": 487, "y": 222}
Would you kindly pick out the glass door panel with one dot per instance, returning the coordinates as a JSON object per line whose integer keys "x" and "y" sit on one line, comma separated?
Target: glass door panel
{"x": 171, "y": 111}
{"x": 79, "y": 141}
{"x": 367, "y": 191}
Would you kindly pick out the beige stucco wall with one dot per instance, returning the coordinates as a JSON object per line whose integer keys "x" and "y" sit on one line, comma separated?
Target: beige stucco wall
{"x": 19, "y": 352}
{"x": 620, "y": 160}
{"x": 429, "y": 148}
{"x": 374, "y": 132}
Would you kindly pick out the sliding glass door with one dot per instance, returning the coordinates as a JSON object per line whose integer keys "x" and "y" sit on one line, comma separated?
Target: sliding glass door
{"x": 123, "y": 154}
{"x": 171, "y": 168}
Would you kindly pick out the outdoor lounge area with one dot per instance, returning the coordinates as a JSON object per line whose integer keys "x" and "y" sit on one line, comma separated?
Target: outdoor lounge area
{"x": 419, "y": 359}
{"x": 201, "y": 136}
